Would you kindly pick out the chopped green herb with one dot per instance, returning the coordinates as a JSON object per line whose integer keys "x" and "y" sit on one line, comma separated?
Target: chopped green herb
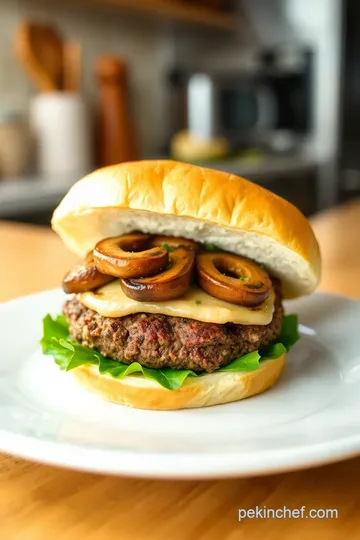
{"x": 168, "y": 266}
{"x": 262, "y": 266}
{"x": 198, "y": 302}
{"x": 244, "y": 278}
{"x": 168, "y": 248}
{"x": 211, "y": 247}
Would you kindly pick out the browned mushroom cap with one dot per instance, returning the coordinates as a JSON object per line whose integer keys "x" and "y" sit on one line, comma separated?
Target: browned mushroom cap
{"x": 172, "y": 283}
{"x": 84, "y": 277}
{"x": 172, "y": 242}
{"x": 233, "y": 279}
{"x": 127, "y": 256}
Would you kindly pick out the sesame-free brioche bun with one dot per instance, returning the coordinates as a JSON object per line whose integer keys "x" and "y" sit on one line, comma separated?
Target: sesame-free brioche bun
{"x": 172, "y": 198}
{"x": 212, "y": 389}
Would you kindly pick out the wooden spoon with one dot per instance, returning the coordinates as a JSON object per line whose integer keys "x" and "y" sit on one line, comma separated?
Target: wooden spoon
{"x": 39, "y": 49}
{"x": 72, "y": 66}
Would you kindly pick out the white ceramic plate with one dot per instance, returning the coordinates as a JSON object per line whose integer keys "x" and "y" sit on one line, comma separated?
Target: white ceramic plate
{"x": 310, "y": 417}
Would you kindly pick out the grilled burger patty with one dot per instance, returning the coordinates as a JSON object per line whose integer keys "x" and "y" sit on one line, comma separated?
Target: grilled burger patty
{"x": 159, "y": 341}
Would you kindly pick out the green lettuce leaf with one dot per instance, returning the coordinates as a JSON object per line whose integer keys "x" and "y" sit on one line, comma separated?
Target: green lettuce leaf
{"x": 273, "y": 351}
{"x": 248, "y": 362}
{"x": 290, "y": 331}
{"x": 172, "y": 379}
{"x": 69, "y": 355}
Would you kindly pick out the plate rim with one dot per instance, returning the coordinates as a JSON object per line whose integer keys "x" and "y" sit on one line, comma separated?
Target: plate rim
{"x": 86, "y": 459}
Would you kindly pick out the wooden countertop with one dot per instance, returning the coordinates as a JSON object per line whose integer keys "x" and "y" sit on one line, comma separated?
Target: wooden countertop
{"x": 40, "y": 502}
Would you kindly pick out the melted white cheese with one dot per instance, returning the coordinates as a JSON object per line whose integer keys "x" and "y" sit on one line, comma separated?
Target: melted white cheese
{"x": 110, "y": 301}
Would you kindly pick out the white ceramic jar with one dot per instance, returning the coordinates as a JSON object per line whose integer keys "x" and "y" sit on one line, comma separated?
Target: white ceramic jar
{"x": 60, "y": 124}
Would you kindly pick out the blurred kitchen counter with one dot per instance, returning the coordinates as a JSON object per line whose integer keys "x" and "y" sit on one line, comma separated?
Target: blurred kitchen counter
{"x": 261, "y": 167}
{"x": 19, "y": 197}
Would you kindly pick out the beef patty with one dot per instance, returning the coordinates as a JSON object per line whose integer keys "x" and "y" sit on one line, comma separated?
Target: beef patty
{"x": 159, "y": 341}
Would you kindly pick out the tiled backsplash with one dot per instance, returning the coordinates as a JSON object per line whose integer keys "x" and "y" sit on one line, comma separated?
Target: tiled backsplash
{"x": 139, "y": 40}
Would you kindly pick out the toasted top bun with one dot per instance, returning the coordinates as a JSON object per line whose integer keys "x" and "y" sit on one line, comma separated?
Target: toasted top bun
{"x": 172, "y": 198}
{"x": 212, "y": 389}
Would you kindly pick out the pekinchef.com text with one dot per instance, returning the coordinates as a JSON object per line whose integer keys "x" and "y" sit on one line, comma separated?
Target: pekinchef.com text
{"x": 262, "y": 512}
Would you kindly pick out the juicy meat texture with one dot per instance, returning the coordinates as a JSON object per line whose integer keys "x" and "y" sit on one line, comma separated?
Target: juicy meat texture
{"x": 159, "y": 341}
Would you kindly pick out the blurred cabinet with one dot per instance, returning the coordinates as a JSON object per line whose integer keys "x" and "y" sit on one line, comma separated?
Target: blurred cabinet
{"x": 349, "y": 156}
{"x": 217, "y": 5}
{"x": 300, "y": 189}
{"x": 214, "y": 13}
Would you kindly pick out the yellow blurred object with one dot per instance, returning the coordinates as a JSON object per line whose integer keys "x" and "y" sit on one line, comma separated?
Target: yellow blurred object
{"x": 252, "y": 156}
{"x": 186, "y": 147}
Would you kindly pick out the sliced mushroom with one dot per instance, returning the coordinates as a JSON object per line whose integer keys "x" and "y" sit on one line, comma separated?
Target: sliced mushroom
{"x": 128, "y": 256}
{"x": 233, "y": 279}
{"x": 84, "y": 277}
{"x": 172, "y": 242}
{"x": 170, "y": 284}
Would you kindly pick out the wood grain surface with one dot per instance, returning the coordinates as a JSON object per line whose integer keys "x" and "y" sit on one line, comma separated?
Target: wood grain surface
{"x": 40, "y": 503}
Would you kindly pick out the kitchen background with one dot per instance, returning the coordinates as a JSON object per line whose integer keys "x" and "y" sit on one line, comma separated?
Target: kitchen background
{"x": 267, "y": 89}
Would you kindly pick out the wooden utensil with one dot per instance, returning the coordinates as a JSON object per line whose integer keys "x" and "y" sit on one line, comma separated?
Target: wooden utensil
{"x": 115, "y": 137}
{"x": 72, "y": 66}
{"x": 40, "y": 51}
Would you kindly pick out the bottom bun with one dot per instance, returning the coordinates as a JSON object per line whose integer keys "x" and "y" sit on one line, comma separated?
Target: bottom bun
{"x": 204, "y": 391}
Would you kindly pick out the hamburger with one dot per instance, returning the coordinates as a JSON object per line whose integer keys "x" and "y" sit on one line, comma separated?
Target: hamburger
{"x": 178, "y": 299}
